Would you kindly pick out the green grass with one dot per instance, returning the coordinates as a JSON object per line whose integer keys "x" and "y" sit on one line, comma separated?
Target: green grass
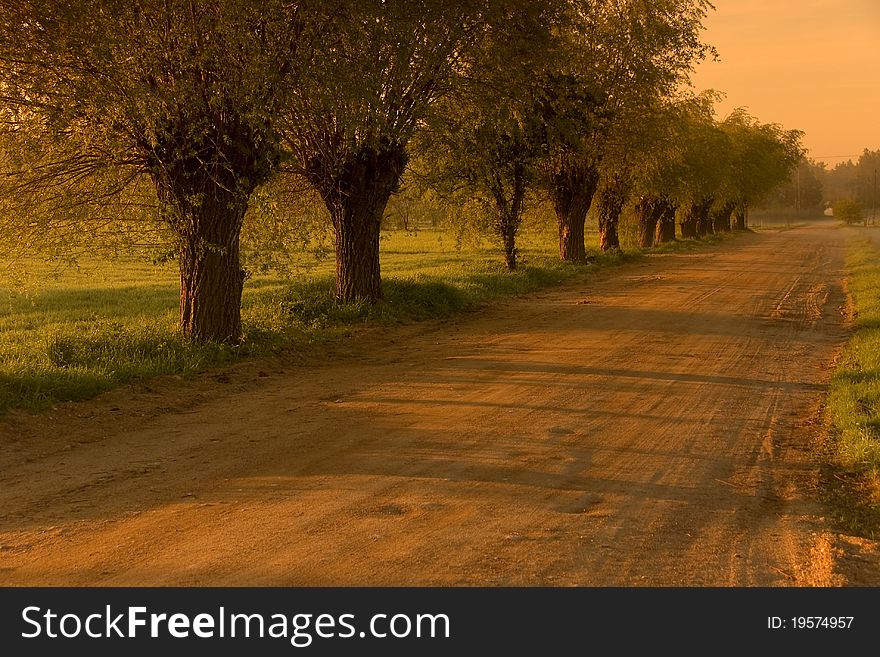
{"x": 853, "y": 406}
{"x": 684, "y": 245}
{"x": 69, "y": 334}
{"x": 72, "y": 333}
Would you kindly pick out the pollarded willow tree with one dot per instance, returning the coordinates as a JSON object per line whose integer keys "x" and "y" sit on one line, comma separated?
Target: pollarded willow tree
{"x": 490, "y": 155}
{"x": 578, "y": 118}
{"x": 485, "y": 142}
{"x": 714, "y": 171}
{"x": 639, "y": 136}
{"x": 621, "y": 51}
{"x": 702, "y": 166}
{"x": 102, "y": 100}
{"x": 349, "y": 132}
{"x": 657, "y": 168}
{"x": 762, "y": 157}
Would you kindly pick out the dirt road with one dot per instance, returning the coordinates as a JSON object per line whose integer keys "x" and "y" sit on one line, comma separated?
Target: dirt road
{"x": 652, "y": 426}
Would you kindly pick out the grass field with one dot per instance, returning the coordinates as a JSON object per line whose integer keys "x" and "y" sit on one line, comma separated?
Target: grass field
{"x": 71, "y": 333}
{"x": 853, "y": 405}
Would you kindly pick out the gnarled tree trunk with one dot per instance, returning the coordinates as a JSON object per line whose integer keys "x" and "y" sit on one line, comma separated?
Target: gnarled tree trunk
{"x": 721, "y": 218}
{"x": 211, "y": 277}
{"x": 356, "y": 194}
{"x": 572, "y": 189}
{"x": 689, "y": 222}
{"x": 612, "y": 198}
{"x": 703, "y": 224}
{"x": 739, "y": 218}
{"x": 649, "y": 210}
{"x": 665, "y": 222}
{"x": 204, "y": 189}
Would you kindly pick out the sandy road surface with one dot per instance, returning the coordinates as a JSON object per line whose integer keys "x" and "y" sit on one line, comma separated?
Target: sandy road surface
{"x": 651, "y": 426}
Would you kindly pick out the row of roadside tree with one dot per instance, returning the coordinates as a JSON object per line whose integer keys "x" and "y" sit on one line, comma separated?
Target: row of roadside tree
{"x": 163, "y": 120}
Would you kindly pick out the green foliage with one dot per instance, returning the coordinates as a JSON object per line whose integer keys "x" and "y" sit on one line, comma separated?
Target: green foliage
{"x": 848, "y": 211}
{"x": 628, "y": 229}
{"x": 695, "y": 160}
{"x": 415, "y": 207}
{"x": 856, "y": 180}
{"x": 762, "y": 157}
{"x": 621, "y": 60}
{"x": 281, "y": 223}
{"x": 579, "y": 97}
{"x": 486, "y": 147}
{"x": 803, "y": 192}
{"x": 387, "y": 64}
{"x": 104, "y": 98}
{"x": 704, "y": 147}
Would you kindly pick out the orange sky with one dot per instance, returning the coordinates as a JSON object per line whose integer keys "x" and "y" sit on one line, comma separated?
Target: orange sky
{"x": 813, "y": 65}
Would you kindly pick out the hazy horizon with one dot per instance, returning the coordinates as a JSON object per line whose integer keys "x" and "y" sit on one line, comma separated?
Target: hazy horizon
{"x": 812, "y": 66}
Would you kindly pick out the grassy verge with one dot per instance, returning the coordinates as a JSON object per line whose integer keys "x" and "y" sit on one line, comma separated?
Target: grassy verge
{"x": 682, "y": 246}
{"x": 853, "y": 406}
{"x": 79, "y": 332}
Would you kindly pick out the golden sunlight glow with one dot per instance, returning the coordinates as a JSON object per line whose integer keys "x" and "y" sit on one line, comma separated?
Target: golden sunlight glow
{"x": 813, "y": 65}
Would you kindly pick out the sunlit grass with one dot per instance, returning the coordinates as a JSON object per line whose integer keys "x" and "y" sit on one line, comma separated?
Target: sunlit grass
{"x": 854, "y": 401}
{"x": 684, "y": 245}
{"x": 853, "y": 405}
{"x": 70, "y": 333}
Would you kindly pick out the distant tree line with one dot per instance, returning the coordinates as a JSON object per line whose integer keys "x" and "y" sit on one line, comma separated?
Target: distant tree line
{"x": 189, "y": 122}
{"x": 813, "y": 187}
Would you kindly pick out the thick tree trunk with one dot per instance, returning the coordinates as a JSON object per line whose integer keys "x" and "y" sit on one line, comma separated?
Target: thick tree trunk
{"x": 211, "y": 277}
{"x": 703, "y": 223}
{"x": 356, "y": 226}
{"x": 649, "y": 210}
{"x": 572, "y": 244}
{"x": 203, "y": 181}
{"x": 666, "y": 223}
{"x": 696, "y": 223}
{"x": 739, "y": 218}
{"x": 721, "y": 218}
{"x": 572, "y": 191}
{"x": 206, "y": 204}
{"x": 689, "y": 222}
{"x": 611, "y": 201}
{"x": 356, "y": 196}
